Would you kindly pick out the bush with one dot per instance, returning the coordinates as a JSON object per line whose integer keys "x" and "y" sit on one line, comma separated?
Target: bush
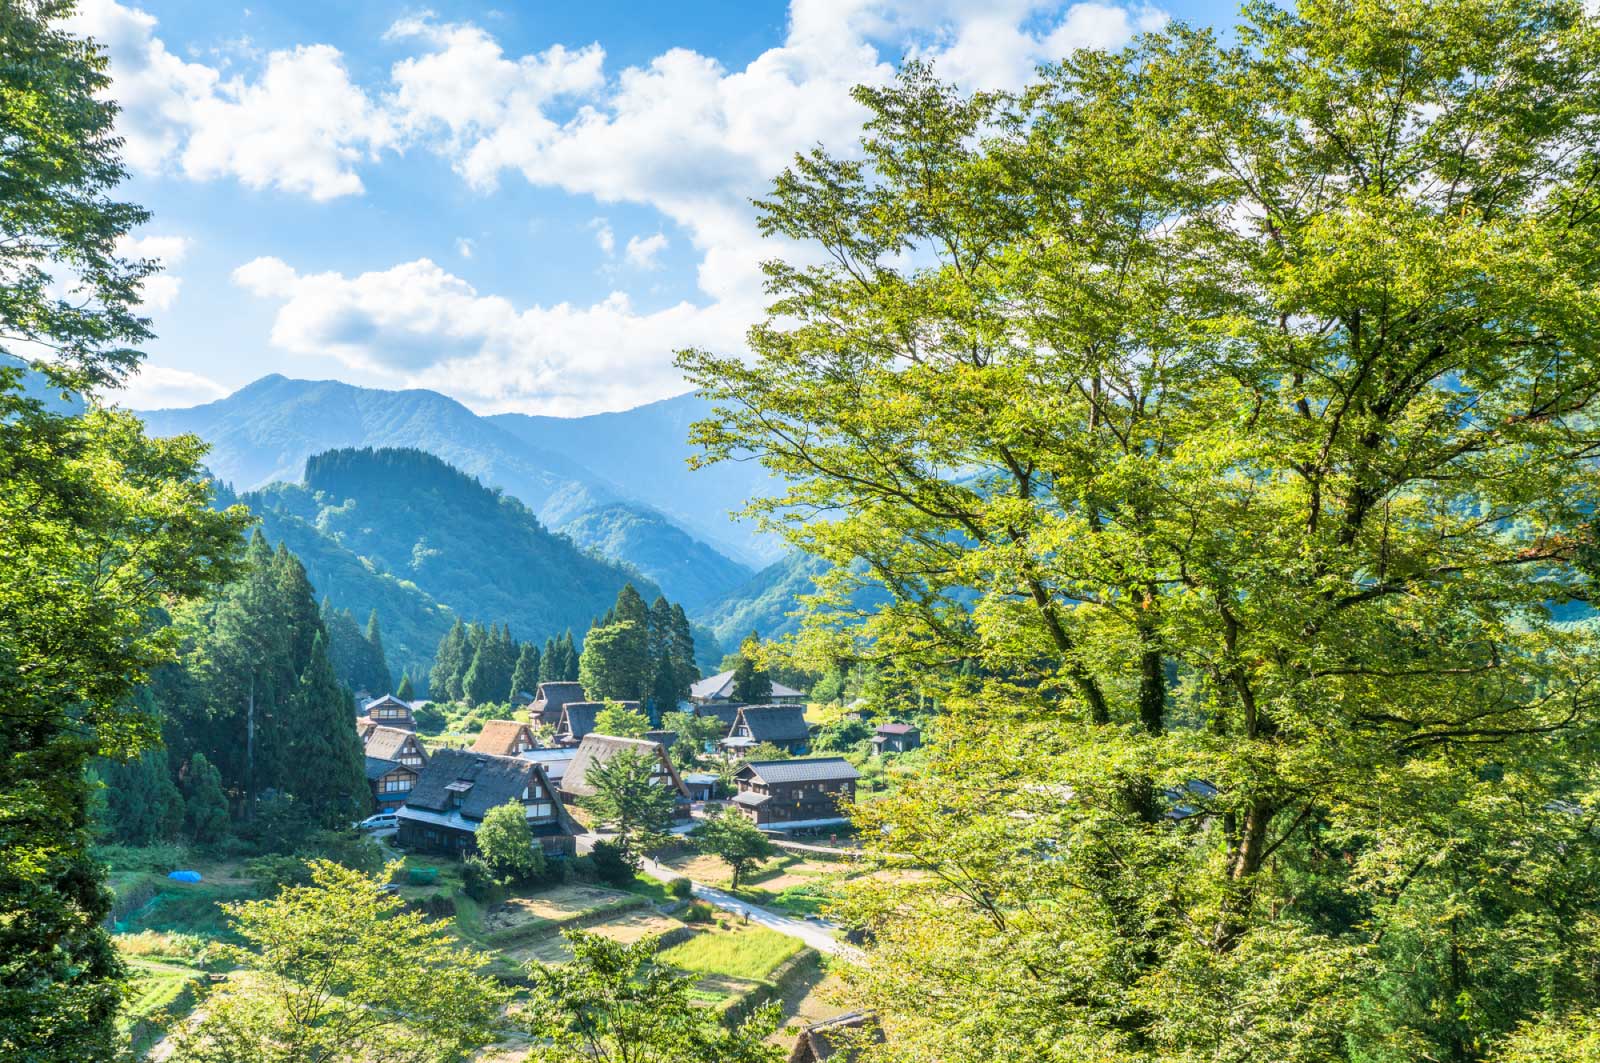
{"x": 681, "y": 888}
{"x": 480, "y": 883}
{"x": 610, "y": 866}
{"x": 697, "y": 912}
{"x": 272, "y": 873}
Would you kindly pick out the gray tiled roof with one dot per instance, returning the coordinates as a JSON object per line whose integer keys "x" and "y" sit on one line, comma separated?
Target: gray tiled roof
{"x": 775, "y": 723}
{"x": 811, "y": 769}
{"x": 377, "y": 768}
{"x": 494, "y": 781}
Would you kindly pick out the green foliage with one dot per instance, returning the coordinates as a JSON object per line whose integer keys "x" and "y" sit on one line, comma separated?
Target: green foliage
{"x": 680, "y": 888}
{"x": 617, "y": 1003}
{"x": 99, "y": 528}
{"x": 465, "y": 546}
{"x": 525, "y": 676}
{"x": 358, "y": 659}
{"x": 1222, "y": 420}
{"x": 732, "y": 838}
{"x": 338, "y": 972}
{"x": 684, "y": 567}
{"x": 614, "y": 662}
{"x": 621, "y": 721}
{"x": 750, "y": 953}
{"x": 142, "y": 802}
{"x": 751, "y": 683}
{"x": 405, "y": 691}
{"x": 695, "y": 735}
{"x": 507, "y": 847}
{"x": 629, "y": 800}
{"x": 611, "y": 864}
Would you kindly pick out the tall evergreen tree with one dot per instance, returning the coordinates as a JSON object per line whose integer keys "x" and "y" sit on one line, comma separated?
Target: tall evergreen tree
{"x": 612, "y": 667}
{"x": 324, "y": 768}
{"x": 569, "y": 658}
{"x": 478, "y": 687}
{"x": 405, "y": 692}
{"x": 382, "y": 677}
{"x": 525, "y": 677}
{"x": 143, "y": 804}
{"x": 205, "y": 805}
{"x": 751, "y": 683}
{"x": 450, "y": 663}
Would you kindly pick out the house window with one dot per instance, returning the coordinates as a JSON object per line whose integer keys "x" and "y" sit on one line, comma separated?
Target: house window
{"x": 411, "y": 762}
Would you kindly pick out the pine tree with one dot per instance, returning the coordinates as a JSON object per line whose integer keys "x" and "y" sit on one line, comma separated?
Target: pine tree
{"x": 405, "y": 692}
{"x": 683, "y": 657}
{"x": 142, "y": 803}
{"x": 381, "y": 676}
{"x": 569, "y": 658}
{"x": 525, "y": 677}
{"x": 478, "y": 687}
{"x": 324, "y": 768}
{"x": 450, "y": 663}
{"x": 205, "y": 809}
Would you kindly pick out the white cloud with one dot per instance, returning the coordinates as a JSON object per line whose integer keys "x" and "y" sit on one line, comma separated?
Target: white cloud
{"x": 301, "y": 125}
{"x": 160, "y": 290}
{"x": 642, "y": 253}
{"x": 157, "y": 387}
{"x": 464, "y": 247}
{"x": 418, "y": 325}
{"x": 604, "y": 238}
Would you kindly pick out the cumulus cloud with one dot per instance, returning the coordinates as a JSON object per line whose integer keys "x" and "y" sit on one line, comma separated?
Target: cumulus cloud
{"x": 416, "y": 324}
{"x": 159, "y": 291}
{"x": 642, "y": 252}
{"x": 157, "y": 387}
{"x": 604, "y": 238}
{"x": 300, "y": 125}
{"x": 465, "y": 247}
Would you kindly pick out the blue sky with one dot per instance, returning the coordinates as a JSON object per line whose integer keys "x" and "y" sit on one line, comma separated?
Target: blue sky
{"x": 526, "y": 206}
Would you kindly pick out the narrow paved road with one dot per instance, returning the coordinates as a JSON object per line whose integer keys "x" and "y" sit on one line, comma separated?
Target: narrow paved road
{"x": 813, "y": 934}
{"x": 817, "y": 935}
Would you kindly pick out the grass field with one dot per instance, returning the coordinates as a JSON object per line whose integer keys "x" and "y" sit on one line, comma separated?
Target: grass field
{"x": 748, "y": 953}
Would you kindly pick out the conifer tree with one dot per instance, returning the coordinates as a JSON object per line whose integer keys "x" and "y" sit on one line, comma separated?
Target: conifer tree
{"x": 324, "y": 768}
{"x": 450, "y": 662}
{"x": 525, "y": 677}
{"x": 381, "y": 676}
{"x": 142, "y": 803}
{"x": 205, "y": 809}
{"x": 405, "y": 692}
{"x": 478, "y": 686}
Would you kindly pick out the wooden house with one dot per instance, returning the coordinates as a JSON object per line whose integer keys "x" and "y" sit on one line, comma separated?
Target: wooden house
{"x": 598, "y": 749}
{"x": 702, "y": 785}
{"x": 389, "y": 711}
{"x": 457, "y": 788}
{"x": 795, "y": 794}
{"x": 551, "y": 698}
{"x": 838, "y": 1040}
{"x": 718, "y": 690}
{"x": 391, "y": 783}
{"x": 554, "y": 761}
{"x": 392, "y": 743}
{"x": 896, "y": 738}
{"x": 578, "y": 717}
{"x": 504, "y": 738}
{"x": 782, "y": 725}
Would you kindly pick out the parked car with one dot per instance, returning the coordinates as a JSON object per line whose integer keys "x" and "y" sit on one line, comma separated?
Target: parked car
{"x": 382, "y": 821}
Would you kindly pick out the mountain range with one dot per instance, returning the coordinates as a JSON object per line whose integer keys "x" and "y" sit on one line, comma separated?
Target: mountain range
{"x": 616, "y": 483}
{"x": 616, "y": 487}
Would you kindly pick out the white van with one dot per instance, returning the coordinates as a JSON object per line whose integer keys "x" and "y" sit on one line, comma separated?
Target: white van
{"x": 382, "y": 821}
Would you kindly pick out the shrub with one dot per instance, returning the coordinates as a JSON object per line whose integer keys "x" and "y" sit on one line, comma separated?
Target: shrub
{"x": 272, "y": 873}
{"x": 697, "y": 912}
{"x": 611, "y": 866}
{"x": 479, "y": 882}
{"x": 681, "y": 888}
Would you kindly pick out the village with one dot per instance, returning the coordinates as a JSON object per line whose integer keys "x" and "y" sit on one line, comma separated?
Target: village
{"x": 750, "y": 923}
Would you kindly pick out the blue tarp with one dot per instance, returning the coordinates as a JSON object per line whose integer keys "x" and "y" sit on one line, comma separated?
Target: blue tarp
{"x": 184, "y": 876}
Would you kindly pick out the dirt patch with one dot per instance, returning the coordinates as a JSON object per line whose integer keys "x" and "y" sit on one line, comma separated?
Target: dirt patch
{"x": 561, "y": 903}
{"x": 626, "y": 928}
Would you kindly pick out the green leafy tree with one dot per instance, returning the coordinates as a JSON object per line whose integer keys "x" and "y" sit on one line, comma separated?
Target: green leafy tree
{"x": 205, "y": 807}
{"x": 338, "y": 972}
{"x": 613, "y": 662}
{"x": 507, "y": 847}
{"x": 621, "y": 721}
{"x": 616, "y": 1003}
{"x": 630, "y": 801}
{"x": 1221, "y": 418}
{"x": 100, "y": 528}
{"x": 751, "y": 684}
{"x": 733, "y": 839}
{"x": 696, "y": 734}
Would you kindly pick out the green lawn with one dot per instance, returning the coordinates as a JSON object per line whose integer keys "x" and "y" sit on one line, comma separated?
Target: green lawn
{"x": 750, "y": 953}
